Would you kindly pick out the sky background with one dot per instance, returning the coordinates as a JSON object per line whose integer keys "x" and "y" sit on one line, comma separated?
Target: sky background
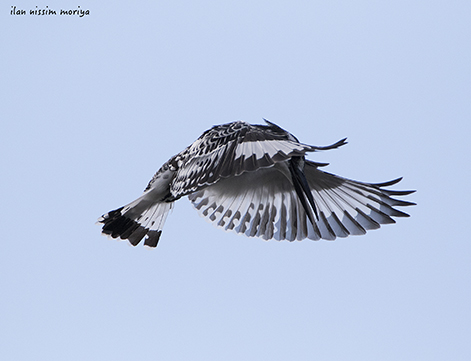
{"x": 92, "y": 106}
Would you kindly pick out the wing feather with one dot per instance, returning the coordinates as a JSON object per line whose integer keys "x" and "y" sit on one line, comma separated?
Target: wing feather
{"x": 264, "y": 204}
{"x": 232, "y": 149}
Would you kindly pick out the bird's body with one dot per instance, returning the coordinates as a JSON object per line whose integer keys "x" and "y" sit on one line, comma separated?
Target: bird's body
{"x": 254, "y": 179}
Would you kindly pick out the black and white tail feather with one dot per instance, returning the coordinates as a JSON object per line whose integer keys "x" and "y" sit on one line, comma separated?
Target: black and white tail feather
{"x": 255, "y": 180}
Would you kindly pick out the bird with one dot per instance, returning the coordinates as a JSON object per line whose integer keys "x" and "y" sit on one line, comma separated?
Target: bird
{"x": 256, "y": 180}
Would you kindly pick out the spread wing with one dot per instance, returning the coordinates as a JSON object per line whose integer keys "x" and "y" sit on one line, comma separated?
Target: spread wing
{"x": 232, "y": 149}
{"x": 264, "y": 204}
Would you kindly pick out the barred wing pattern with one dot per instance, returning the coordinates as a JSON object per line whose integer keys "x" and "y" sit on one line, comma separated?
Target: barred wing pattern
{"x": 264, "y": 204}
{"x": 229, "y": 150}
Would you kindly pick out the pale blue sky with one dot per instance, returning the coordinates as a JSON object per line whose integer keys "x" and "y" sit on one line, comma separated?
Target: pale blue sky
{"x": 90, "y": 109}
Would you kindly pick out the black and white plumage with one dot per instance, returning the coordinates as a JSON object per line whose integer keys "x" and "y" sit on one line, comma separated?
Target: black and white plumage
{"x": 254, "y": 179}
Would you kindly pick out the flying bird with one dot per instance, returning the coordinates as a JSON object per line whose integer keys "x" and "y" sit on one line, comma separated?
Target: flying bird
{"x": 255, "y": 180}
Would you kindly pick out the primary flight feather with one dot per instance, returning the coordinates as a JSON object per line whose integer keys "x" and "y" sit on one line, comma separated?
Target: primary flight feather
{"x": 254, "y": 179}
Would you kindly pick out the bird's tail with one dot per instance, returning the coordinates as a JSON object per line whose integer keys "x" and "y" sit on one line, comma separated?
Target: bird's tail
{"x": 137, "y": 220}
